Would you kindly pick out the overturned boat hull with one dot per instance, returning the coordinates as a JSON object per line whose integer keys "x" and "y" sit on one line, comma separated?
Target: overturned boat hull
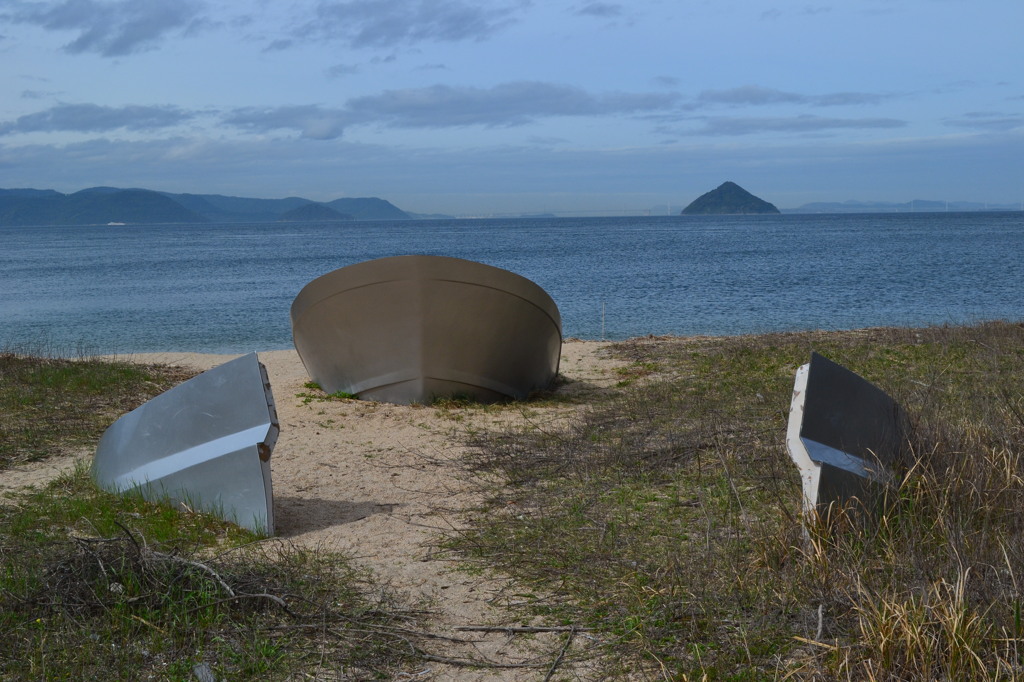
{"x": 410, "y": 329}
{"x": 205, "y": 443}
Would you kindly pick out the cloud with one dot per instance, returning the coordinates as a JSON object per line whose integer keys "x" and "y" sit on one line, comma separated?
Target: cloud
{"x": 748, "y": 94}
{"x": 987, "y": 121}
{"x": 600, "y": 9}
{"x": 837, "y": 99}
{"x": 279, "y": 44}
{"x": 807, "y": 10}
{"x": 341, "y": 70}
{"x": 36, "y": 94}
{"x": 794, "y": 124}
{"x": 755, "y": 95}
{"x": 388, "y": 23}
{"x": 92, "y": 118}
{"x": 313, "y": 122}
{"x": 438, "y": 106}
{"x": 508, "y": 104}
{"x": 110, "y": 28}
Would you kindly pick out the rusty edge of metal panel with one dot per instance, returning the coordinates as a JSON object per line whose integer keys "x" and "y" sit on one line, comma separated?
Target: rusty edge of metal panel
{"x": 409, "y": 329}
{"x": 205, "y": 443}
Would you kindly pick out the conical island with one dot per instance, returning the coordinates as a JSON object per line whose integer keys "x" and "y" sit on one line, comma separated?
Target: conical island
{"x": 728, "y": 199}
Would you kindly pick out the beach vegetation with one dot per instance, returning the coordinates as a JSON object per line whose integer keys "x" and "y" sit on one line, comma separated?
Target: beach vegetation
{"x": 315, "y": 393}
{"x": 100, "y": 586}
{"x": 667, "y": 519}
{"x": 54, "y": 405}
{"x": 94, "y": 585}
{"x": 661, "y": 519}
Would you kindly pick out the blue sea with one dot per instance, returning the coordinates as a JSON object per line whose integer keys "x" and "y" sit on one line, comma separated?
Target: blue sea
{"x": 228, "y": 288}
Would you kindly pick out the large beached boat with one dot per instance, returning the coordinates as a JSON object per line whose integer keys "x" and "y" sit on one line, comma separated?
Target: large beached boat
{"x": 410, "y": 329}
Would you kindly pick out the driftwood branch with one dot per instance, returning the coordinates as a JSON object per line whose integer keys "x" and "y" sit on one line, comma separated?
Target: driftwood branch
{"x": 520, "y": 629}
{"x": 400, "y": 631}
{"x": 234, "y": 597}
{"x": 194, "y": 564}
{"x": 561, "y": 655}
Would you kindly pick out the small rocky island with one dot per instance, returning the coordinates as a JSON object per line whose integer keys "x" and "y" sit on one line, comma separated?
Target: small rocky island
{"x": 728, "y": 199}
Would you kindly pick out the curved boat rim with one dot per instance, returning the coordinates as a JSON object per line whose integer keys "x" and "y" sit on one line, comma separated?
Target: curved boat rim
{"x": 395, "y": 268}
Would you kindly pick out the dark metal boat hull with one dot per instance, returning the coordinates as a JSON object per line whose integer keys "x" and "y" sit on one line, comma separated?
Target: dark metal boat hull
{"x": 845, "y": 435}
{"x": 410, "y": 329}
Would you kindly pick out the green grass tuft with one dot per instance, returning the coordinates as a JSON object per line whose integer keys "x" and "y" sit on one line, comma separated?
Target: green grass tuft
{"x": 317, "y": 394}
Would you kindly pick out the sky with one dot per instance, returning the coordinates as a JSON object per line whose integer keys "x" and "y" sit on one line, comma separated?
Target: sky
{"x": 492, "y": 107}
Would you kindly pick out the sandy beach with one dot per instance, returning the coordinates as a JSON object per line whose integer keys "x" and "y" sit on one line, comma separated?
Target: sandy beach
{"x": 383, "y": 483}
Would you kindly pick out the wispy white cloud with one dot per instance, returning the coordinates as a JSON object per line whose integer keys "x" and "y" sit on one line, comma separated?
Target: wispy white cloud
{"x": 604, "y": 10}
{"x": 438, "y": 107}
{"x": 756, "y": 95}
{"x": 748, "y": 95}
{"x": 987, "y": 121}
{"x": 92, "y": 118}
{"x": 807, "y": 10}
{"x": 110, "y": 28}
{"x": 391, "y": 23}
{"x": 508, "y": 104}
{"x": 311, "y": 121}
{"x": 36, "y": 94}
{"x": 718, "y": 126}
{"x": 341, "y": 70}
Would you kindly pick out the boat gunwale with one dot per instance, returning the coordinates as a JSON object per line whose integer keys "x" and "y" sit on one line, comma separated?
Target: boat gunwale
{"x": 543, "y": 300}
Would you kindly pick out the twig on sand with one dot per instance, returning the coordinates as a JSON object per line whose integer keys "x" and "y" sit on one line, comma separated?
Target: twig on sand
{"x": 561, "y": 655}
{"x": 520, "y": 629}
{"x": 473, "y": 662}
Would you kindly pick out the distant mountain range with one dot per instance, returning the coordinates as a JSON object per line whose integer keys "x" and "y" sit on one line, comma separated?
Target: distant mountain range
{"x": 102, "y": 205}
{"x": 917, "y": 205}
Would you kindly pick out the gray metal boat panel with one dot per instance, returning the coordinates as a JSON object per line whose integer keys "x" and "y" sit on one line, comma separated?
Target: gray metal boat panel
{"x": 410, "y": 328}
{"x": 868, "y": 469}
{"x": 205, "y": 443}
{"x": 844, "y": 435}
{"x": 840, "y": 488}
{"x": 845, "y": 412}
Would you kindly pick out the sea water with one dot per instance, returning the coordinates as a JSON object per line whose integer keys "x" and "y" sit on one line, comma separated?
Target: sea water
{"x": 228, "y": 287}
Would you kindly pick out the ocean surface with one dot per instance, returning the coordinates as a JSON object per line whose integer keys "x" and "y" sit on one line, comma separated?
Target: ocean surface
{"x": 228, "y": 288}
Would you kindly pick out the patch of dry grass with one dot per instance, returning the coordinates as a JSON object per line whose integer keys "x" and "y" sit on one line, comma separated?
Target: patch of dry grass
{"x": 96, "y": 586}
{"x": 669, "y": 517}
{"x": 52, "y": 404}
